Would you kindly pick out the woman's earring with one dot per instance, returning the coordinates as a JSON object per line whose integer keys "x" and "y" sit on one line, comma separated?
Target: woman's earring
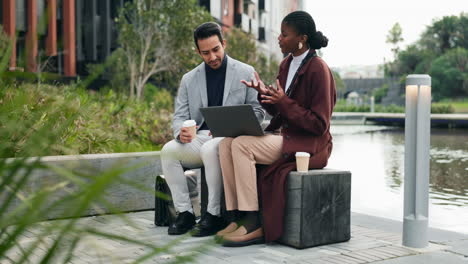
{"x": 300, "y": 45}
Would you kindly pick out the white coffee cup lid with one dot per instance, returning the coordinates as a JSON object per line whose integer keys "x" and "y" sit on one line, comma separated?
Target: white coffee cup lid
{"x": 189, "y": 123}
{"x": 302, "y": 154}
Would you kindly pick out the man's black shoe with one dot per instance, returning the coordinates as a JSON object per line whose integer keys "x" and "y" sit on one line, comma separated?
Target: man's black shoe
{"x": 183, "y": 223}
{"x": 208, "y": 225}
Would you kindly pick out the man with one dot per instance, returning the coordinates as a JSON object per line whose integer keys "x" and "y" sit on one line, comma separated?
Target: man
{"x": 215, "y": 82}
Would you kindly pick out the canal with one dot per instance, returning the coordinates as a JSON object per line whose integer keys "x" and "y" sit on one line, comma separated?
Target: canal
{"x": 375, "y": 157}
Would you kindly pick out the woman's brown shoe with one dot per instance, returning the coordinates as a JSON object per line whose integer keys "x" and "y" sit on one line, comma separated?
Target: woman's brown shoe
{"x": 230, "y": 228}
{"x": 241, "y": 237}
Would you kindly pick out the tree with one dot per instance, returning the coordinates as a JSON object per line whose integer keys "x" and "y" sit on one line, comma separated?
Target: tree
{"x": 411, "y": 60}
{"x": 154, "y": 35}
{"x": 5, "y": 48}
{"x": 441, "y": 52}
{"x": 394, "y": 38}
{"x": 450, "y": 74}
{"x": 267, "y": 68}
{"x": 242, "y": 46}
{"x": 447, "y": 33}
{"x": 339, "y": 83}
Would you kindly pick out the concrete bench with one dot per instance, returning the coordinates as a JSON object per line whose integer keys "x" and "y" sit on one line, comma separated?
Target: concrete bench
{"x": 317, "y": 208}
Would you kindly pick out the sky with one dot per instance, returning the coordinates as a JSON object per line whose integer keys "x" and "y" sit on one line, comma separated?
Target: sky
{"x": 357, "y": 29}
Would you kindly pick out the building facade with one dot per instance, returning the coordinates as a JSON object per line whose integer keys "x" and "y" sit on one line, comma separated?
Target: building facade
{"x": 69, "y": 33}
{"x": 74, "y": 33}
{"x": 262, "y": 18}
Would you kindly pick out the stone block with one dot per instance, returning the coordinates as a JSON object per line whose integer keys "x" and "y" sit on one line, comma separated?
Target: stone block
{"x": 317, "y": 209}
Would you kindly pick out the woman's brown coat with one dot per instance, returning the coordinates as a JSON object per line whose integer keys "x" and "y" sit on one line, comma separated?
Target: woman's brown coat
{"x": 304, "y": 119}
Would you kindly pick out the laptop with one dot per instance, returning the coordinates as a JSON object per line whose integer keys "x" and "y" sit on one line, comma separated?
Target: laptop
{"x": 232, "y": 121}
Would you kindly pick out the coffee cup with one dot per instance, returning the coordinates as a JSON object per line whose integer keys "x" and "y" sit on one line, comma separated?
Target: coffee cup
{"x": 302, "y": 161}
{"x": 192, "y": 127}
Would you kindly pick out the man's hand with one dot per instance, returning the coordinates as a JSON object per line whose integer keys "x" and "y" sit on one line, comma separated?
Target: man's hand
{"x": 185, "y": 136}
{"x": 256, "y": 83}
{"x": 274, "y": 95}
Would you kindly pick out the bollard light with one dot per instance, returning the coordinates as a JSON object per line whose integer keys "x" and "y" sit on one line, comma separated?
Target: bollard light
{"x": 417, "y": 143}
{"x": 372, "y": 104}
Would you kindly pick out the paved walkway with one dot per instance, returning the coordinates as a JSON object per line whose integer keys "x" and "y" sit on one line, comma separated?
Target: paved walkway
{"x": 374, "y": 240}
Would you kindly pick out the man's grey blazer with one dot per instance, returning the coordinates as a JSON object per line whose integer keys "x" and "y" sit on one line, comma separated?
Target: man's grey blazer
{"x": 192, "y": 93}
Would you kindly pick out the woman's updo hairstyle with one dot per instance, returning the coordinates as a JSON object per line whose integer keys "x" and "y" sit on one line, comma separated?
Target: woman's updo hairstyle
{"x": 303, "y": 23}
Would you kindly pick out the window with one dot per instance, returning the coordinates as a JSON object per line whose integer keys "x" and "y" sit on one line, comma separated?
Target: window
{"x": 226, "y": 7}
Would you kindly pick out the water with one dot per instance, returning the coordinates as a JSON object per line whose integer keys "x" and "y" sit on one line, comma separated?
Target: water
{"x": 375, "y": 157}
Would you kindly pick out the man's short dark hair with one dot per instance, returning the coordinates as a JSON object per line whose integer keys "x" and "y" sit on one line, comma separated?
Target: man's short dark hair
{"x": 207, "y": 30}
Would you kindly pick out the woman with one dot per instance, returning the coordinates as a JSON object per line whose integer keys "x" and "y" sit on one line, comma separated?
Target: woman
{"x": 301, "y": 106}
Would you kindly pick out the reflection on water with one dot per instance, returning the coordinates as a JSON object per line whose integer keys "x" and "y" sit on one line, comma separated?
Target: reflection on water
{"x": 375, "y": 156}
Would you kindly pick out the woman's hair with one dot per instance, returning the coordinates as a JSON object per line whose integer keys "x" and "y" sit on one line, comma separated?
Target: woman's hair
{"x": 207, "y": 30}
{"x": 303, "y": 23}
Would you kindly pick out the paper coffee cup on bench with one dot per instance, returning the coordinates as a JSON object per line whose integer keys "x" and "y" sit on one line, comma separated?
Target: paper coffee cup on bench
{"x": 192, "y": 127}
{"x": 302, "y": 161}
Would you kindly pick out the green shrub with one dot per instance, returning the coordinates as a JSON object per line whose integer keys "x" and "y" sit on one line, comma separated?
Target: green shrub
{"x": 26, "y": 114}
{"x": 460, "y": 104}
{"x": 351, "y": 108}
{"x": 442, "y": 109}
{"x": 389, "y": 109}
{"x": 380, "y": 93}
{"x": 99, "y": 122}
{"x": 342, "y": 107}
{"x": 118, "y": 124}
{"x": 161, "y": 98}
{"x": 435, "y": 108}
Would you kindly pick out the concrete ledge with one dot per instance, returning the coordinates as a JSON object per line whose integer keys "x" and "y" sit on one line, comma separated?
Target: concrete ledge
{"x": 120, "y": 197}
{"x": 95, "y": 156}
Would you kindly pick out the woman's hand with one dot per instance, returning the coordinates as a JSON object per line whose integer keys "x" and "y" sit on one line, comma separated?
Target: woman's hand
{"x": 256, "y": 83}
{"x": 274, "y": 95}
